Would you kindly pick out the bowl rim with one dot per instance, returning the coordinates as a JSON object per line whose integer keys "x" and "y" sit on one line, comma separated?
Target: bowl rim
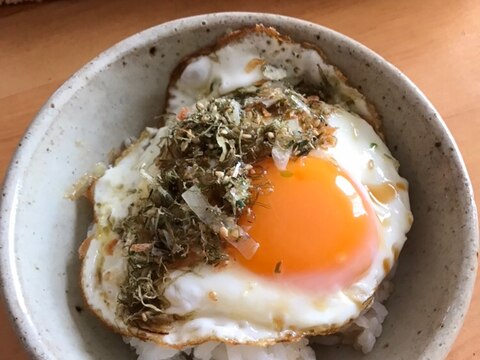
{"x": 9, "y": 283}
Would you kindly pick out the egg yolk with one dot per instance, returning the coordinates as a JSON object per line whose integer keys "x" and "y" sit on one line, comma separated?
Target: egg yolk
{"x": 316, "y": 228}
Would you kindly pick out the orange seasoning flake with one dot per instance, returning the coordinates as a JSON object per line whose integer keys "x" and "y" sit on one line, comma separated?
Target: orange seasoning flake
{"x": 183, "y": 113}
{"x": 141, "y": 247}
{"x": 252, "y": 64}
{"x": 82, "y": 250}
{"x": 110, "y": 246}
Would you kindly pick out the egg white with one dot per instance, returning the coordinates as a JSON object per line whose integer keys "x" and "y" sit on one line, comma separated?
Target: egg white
{"x": 234, "y": 305}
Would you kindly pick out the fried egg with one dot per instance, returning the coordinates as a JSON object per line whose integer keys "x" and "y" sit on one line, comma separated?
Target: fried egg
{"x": 328, "y": 233}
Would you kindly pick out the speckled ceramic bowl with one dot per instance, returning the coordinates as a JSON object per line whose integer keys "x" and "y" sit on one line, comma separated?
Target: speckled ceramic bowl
{"x": 118, "y": 94}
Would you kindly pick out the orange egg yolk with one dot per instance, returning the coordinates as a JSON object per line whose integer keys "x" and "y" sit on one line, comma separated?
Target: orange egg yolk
{"x": 316, "y": 228}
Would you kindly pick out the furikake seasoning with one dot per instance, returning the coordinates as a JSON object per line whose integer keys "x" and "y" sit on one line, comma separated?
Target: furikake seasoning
{"x": 209, "y": 174}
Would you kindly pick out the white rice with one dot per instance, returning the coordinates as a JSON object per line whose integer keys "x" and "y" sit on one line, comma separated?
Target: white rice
{"x": 364, "y": 331}
{"x": 219, "y": 351}
{"x": 361, "y": 334}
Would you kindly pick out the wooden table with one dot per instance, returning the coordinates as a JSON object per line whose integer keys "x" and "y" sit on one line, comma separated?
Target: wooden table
{"x": 436, "y": 43}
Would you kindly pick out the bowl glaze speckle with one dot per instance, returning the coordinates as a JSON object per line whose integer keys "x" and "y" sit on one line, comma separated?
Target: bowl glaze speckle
{"x": 119, "y": 93}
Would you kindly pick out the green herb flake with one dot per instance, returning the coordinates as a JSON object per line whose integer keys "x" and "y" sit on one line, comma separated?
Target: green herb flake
{"x": 216, "y": 150}
{"x": 286, "y": 173}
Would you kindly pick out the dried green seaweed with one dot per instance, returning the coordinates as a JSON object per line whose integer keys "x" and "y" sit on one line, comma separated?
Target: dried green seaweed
{"x": 214, "y": 153}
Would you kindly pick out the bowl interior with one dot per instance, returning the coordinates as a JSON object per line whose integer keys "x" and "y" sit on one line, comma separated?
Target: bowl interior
{"x": 121, "y": 91}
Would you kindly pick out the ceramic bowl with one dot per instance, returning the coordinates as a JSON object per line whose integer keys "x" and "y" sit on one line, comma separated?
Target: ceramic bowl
{"x": 118, "y": 93}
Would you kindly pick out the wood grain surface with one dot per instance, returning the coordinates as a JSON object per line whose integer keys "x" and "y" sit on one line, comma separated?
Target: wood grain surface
{"x": 436, "y": 43}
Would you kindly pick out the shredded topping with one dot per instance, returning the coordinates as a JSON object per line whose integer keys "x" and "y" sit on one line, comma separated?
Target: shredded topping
{"x": 206, "y": 176}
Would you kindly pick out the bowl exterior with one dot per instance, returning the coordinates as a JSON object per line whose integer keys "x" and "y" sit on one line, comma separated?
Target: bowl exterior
{"x": 120, "y": 92}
